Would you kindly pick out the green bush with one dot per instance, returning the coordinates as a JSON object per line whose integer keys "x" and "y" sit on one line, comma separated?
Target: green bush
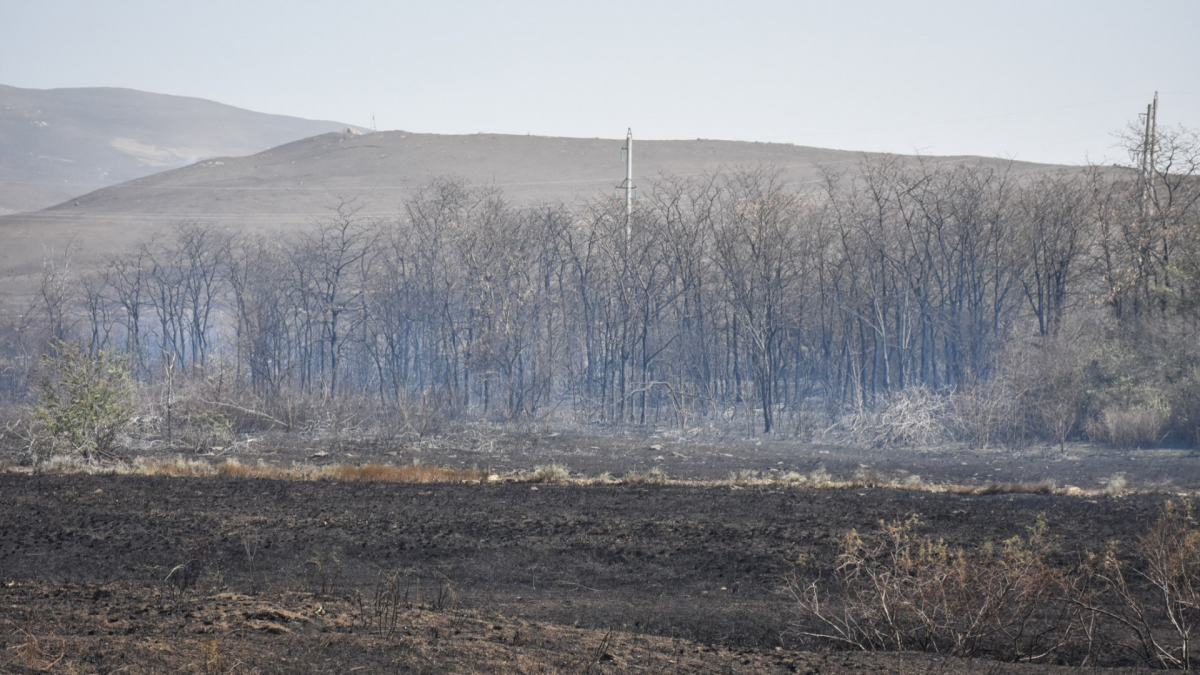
{"x": 84, "y": 400}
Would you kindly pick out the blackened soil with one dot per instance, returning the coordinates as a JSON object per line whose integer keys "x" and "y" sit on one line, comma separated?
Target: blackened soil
{"x": 699, "y": 564}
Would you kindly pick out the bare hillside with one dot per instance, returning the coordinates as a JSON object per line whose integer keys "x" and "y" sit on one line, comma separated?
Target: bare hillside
{"x": 288, "y": 187}
{"x": 59, "y": 143}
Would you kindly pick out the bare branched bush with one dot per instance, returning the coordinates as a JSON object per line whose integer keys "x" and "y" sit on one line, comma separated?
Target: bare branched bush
{"x": 388, "y": 601}
{"x": 421, "y": 415}
{"x": 321, "y": 574}
{"x": 898, "y": 590}
{"x": 986, "y": 414}
{"x": 911, "y": 417}
{"x": 1136, "y": 427}
{"x": 1160, "y": 625}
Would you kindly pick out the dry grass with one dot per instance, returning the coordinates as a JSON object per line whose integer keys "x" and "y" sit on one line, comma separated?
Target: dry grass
{"x": 180, "y": 467}
{"x": 231, "y": 468}
{"x": 1044, "y": 487}
{"x": 550, "y": 473}
{"x": 556, "y": 473}
{"x": 655, "y": 476}
{"x": 412, "y": 473}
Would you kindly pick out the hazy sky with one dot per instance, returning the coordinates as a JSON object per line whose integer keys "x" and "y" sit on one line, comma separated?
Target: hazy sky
{"x": 1040, "y": 81}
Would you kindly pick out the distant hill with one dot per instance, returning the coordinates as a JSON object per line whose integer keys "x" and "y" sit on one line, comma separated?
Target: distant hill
{"x": 59, "y": 143}
{"x": 287, "y": 187}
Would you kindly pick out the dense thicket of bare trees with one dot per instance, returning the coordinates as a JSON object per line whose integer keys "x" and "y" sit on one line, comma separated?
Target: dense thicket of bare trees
{"x": 736, "y": 297}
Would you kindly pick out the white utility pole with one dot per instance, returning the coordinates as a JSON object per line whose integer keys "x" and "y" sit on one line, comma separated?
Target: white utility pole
{"x": 627, "y": 186}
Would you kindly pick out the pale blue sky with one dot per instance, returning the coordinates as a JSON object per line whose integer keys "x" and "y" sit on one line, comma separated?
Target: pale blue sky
{"x": 1039, "y": 81}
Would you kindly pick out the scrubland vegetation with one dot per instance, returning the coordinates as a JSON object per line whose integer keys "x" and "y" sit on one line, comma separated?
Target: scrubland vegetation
{"x": 898, "y": 589}
{"x": 899, "y": 302}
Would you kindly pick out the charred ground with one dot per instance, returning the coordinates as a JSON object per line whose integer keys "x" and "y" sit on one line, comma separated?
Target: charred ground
{"x": 146, "y": 573}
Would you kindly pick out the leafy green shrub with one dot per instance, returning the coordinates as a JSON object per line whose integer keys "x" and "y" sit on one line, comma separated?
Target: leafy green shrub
{"x": 84, "y": 400}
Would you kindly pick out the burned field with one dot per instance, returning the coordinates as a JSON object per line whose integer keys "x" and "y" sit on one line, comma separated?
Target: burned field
{"x": 107, "y": 573}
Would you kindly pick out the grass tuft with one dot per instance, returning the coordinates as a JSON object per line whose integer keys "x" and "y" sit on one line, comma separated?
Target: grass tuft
{"x": 1042, "y": 487}
{"x": 177, "y": 467}
{"x": 550, "y": 473}
{"x": 413, "y": 473}
{"x": 655, "y": 476}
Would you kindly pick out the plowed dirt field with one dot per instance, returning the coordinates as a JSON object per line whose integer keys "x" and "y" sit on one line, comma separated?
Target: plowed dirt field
{"x": 153, "y": 574}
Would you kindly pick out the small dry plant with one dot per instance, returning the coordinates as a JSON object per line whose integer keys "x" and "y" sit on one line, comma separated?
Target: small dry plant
{"x": 903, "y": 591}
{"x": 550, "y": 473}
{"x": 388, "y": 601}
{"x": 182, "y": 577}
{"x": 1159, "y": 625}
{"x": 214, "y": 660}
{"x": 321, "y": 574}
{"x": 31, "y": 651}
{"x": 655, "y": 476}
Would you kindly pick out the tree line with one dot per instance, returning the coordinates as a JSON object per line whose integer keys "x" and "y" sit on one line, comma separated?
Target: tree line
{"x": 734, "y": 296}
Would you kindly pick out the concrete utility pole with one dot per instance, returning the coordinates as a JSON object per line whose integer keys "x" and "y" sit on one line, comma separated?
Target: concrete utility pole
{"x": 627, "y": 186}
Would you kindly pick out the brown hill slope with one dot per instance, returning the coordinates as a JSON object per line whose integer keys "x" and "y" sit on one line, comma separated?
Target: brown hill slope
{"x": 287, "y": 187}
{"x": 59, "y": 143}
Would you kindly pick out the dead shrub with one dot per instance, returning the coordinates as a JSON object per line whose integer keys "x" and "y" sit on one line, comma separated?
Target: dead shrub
{"x": 1129, "y": 427}
{"x": 911, "y": 417}
{"x": 182, "y": 577}
{"x": 321, "y": 574}
{"x": 1184, "y": 398}
{"x": 1115, "y": 484}
{"x": 903, "y": 591}
{"x": 986, "y": 414}
{"x": 388, "y": 601}
{"x": 420, "y": 414}
{"x": 203, "y": 412}
{"x": 1159, "y": 625}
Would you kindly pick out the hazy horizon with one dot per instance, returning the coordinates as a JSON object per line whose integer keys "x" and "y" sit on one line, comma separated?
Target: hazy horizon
{"x": 1022, "y": 81}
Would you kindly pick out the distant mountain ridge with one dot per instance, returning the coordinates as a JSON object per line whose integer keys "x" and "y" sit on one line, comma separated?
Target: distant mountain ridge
{"x": 59, "y": 143}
